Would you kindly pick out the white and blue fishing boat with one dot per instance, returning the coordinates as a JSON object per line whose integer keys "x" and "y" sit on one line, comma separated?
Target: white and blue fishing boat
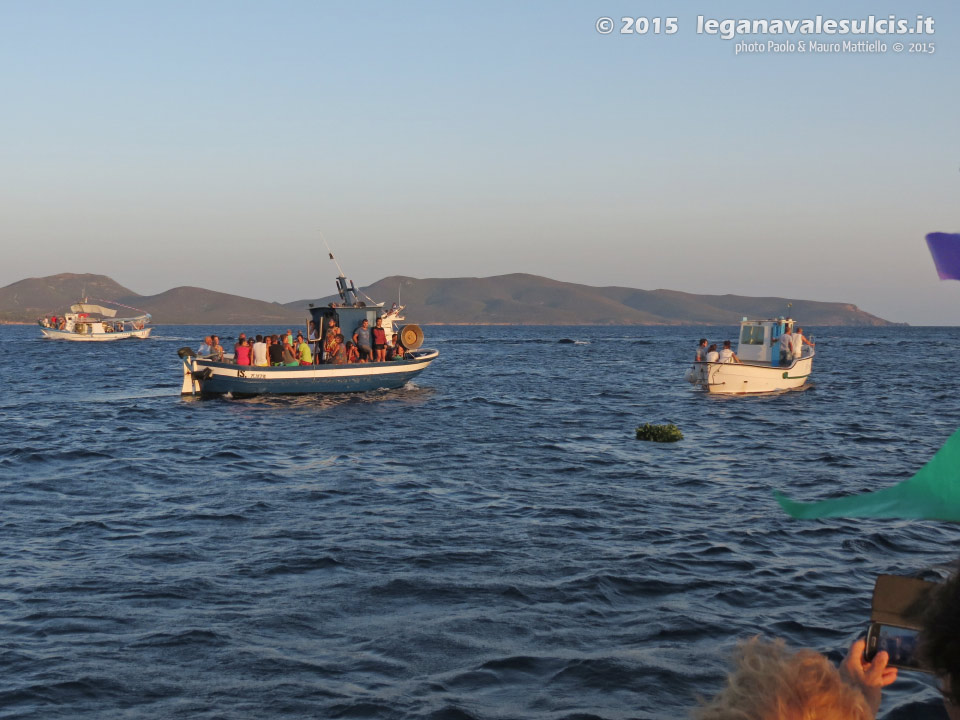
{"x": 756, "y": 367}
{"x": 207, "y": 376}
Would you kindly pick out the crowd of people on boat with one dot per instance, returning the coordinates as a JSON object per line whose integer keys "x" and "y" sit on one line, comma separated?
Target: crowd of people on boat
{"x": 109, "y": 326}
{"x": 364, "y": 345}
{"x": 791, "y": 343}
{"x": 710, "y": 354}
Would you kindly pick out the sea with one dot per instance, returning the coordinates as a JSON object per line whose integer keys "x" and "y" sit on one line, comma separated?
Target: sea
{"x": 489, "y": 542}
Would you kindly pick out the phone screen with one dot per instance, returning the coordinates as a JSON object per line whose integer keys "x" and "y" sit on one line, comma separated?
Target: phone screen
{"x": 899, "y": 643}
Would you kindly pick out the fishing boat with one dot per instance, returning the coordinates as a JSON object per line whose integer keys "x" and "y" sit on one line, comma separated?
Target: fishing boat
{"x": 759, "y": 369}
{"x": 95, "y": 322}
{"x": 203, "y": 376}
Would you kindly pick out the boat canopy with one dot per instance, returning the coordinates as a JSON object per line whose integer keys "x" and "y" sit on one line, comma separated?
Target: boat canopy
{"x": 93, "y": 310}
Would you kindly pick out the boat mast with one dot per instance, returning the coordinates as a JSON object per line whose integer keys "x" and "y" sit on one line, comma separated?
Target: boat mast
{"x": 348, "y": 292}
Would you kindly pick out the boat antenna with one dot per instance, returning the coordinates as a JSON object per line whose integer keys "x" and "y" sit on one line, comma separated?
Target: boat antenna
{"x": 330, "y": 253}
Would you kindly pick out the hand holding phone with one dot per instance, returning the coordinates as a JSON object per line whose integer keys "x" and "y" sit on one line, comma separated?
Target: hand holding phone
{"x": 900, "y": 643}
{"x": 870, "y": 676}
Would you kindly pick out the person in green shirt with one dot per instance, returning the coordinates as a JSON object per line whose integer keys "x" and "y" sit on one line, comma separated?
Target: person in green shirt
{"x": 303, "y": 351}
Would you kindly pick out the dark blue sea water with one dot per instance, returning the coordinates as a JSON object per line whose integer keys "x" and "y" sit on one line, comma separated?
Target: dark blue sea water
{"x": 489, "y": 542}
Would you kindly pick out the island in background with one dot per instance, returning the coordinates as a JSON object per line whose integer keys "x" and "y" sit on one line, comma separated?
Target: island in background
{"x": 516, "y": 299}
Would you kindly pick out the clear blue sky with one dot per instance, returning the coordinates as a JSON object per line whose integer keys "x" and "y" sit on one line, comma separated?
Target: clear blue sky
{"x": 207, "y": 143}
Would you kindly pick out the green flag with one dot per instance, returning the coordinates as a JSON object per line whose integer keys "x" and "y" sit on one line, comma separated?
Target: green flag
{"x": 932, "y": 494}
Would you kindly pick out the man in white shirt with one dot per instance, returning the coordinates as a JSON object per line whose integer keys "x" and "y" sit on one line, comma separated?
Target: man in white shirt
{"x": 260, "y": 353}
{"x": 727, "y": 355}
{"x": 798, "y": 342}
{"x": 206, "y": 348}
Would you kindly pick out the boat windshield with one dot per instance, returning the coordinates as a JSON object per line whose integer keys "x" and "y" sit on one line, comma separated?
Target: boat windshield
{"x": 751, "y": 335}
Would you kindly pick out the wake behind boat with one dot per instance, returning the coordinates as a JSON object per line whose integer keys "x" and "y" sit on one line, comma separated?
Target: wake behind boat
{"x": 763, "y": 367}
{"x": 215, "y": 376}
{"x": 89, "y": 322}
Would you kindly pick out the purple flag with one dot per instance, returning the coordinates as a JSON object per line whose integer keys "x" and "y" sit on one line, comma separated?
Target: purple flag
{"x": 945, "y": 248}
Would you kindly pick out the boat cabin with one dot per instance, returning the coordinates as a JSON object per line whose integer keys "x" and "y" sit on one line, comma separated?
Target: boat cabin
{"x": 758, "y": 340}
{"x": 351, "y": 312}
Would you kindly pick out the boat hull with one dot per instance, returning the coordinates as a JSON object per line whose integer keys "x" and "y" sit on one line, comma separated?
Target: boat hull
{"x": 748, "y": 379}
{"x": 207, "y": 377}
{"x": 54, "y": 334}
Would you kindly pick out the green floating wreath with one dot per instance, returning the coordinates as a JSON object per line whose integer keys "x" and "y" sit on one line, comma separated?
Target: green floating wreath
{"x": 659, "y": 433}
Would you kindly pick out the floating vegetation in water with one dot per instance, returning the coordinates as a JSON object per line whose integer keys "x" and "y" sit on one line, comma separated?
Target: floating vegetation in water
{"x": 659, "y": 433}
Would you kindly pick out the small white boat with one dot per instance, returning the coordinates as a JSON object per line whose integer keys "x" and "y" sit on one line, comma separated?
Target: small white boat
{"x": 88, "y": 322}
{"x": 759, "y": 369}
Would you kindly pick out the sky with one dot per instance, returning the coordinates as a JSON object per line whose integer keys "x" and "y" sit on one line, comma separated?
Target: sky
{"x": 216, "y": 144}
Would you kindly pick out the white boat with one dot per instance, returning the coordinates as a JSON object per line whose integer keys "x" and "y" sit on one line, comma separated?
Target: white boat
{"x": 759, "y": 369}
{"x": 89, "y": 322}
{"x": 204, "y": 376}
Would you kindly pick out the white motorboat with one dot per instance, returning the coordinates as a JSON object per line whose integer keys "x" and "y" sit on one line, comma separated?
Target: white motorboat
{"x": 759, "y": 369}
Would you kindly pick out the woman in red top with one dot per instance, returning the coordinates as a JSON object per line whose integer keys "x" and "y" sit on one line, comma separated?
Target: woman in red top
{"x": 379, "y": 337}
{"x": 242, "y": 352}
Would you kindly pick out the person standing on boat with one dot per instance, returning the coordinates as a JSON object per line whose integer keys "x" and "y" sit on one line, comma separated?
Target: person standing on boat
{"x": 712, "y": 354}
{"x": 786, "y": 347}
{"x": 329, "y": 338}
{"x": 799, "y": 340}
{"x": 727, "y": 355}
{"x": 379, "y": 336}
{"x": 361, "y": 338}
{"x": 701, "y": 351}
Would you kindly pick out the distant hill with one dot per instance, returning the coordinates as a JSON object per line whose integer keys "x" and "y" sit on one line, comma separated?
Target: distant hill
{"x": 516, "y": 299}
{"x": 27, "y": 300}
{"x": 521, "y": 299}
{"x": 196, "y": 306}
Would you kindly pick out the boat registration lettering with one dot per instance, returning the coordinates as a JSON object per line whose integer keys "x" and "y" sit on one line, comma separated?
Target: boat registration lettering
{"x": 247, "y": 374}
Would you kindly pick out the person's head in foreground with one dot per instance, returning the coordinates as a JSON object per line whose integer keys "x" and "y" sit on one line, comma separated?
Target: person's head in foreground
{"x": 940, "y": 642}
{"x": 771, "y": 682}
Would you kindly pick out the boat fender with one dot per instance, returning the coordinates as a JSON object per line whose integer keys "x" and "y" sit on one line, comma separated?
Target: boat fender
{"x": 201, "y": 375}
{"x": 186, "y": 352}
{"x": 692, "y": 375}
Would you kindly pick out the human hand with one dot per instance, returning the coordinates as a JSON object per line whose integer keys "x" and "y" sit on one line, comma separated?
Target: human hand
{"x": 869, "y": 677}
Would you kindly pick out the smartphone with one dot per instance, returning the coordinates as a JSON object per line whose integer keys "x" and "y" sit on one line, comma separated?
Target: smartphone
{"x": 900, "y": 643}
